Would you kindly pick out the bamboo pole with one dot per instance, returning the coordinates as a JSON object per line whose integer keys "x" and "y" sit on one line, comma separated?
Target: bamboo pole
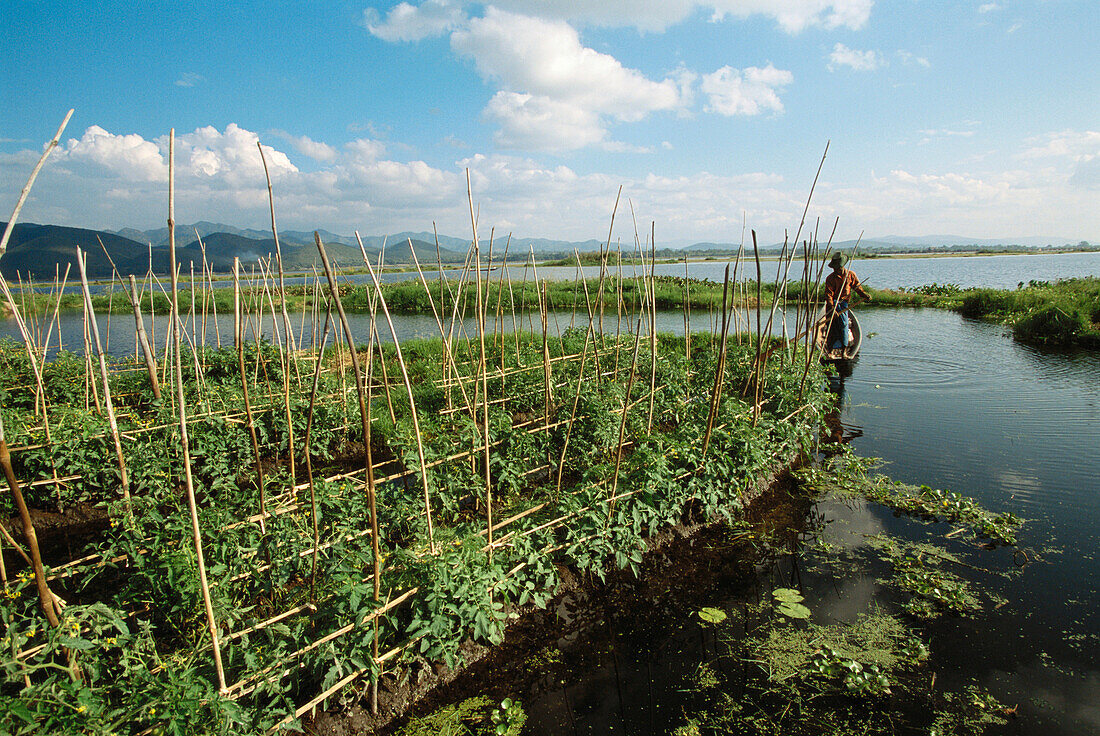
{"x": 408, "y": 389}
{"x": 483, "y": 369}
{"x": 360, "y": 389}
{"x": 652, "y": 323}
{"x": 622, "y": 424}
{"x": 30, "y": 182}
{"x": 309, "y": 454}
{"x": 46, "y": 598}
{"x": 56, "y": 310}
{"x": 143, "y": 339}
{"x": 448, "y": 357}
{"x": 239, "y": 338}
{"x": 112, "y": 422}
{"x": 182, "y": 409}
{"x": 720, "y": 368}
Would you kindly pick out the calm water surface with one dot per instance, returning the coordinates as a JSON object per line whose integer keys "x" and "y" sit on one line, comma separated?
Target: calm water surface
{"x": 999, "y": 272}
{"x": 950, "y": 403}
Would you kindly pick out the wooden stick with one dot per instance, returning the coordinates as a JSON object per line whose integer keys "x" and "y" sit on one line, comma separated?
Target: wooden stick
{"x": 360, "y": 389}
{"x": 182, "y": 409}
{"x": 112, "y": 422}
{"x": 143, "y": 339}
{"x": 238, "y": 330}
{"x": 408, "y": 389}
{"x": 30, "y": 182}
{"x": 483, "y": 369}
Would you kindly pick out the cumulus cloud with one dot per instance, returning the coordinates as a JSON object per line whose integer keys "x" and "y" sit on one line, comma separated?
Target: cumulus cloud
{"x": 547, "y": 58}
{"x": 556, "y": 93}
{"x": 553, "y": 93}
{"x": 308, "y": 147}
{"x": 1065, "y": 144}
{"x": 407, "y": 22}
{"x": 190, "y": 79}
{"x": 105, "y": 179}
{"x": 861, "y": 61}
{"x": 231, "y": 156}
{"x": 792, "y": 16}
{"x": 129, "y": 156}
{"x": 750, "y": 92}
{"x": 530, "y": 122}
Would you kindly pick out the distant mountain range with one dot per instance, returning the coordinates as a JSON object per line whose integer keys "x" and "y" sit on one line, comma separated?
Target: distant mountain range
{"x": 43, "y": 250}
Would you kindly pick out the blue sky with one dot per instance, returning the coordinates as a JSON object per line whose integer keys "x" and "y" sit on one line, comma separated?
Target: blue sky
{"x": 980, "y": 119}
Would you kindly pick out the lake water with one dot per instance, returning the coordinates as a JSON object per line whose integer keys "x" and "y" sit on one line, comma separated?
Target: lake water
{"x": 947, "y": 402}
{"x": 1000, "y": 272}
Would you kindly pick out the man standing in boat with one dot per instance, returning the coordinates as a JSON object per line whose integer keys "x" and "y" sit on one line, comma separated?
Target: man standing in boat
{"x": 838, "y": 288}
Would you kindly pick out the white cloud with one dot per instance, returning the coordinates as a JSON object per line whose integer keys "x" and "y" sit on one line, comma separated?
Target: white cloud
{"x": 793, "y": 16}
{"x": 190, "y": 79}
{"x": 231, "y": 156}
{"x": 308, "y": 147}
{"x": 930, "y": 134}
{"x": 988, "y": 7}
{"x": 556, "y": 93}
{"x": 126, "y": 156}
{"x": 1065, "y": 144}
{"x": 751, "y": 92}
{"x": 115, "y": 180}
{"x": 547, "y": 58}
{"x": 530, "y": 122}
{"x": 861, "y": 61}
{"x": 908, "y": 57}
{"x": 406, "y": 22}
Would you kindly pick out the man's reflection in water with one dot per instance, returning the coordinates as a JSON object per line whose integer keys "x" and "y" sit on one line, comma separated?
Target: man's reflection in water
{"x": 834, "y": 431}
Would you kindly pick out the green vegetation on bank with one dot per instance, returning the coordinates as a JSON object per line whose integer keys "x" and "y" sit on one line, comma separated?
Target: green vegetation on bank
{"x": 1063, "y": 313}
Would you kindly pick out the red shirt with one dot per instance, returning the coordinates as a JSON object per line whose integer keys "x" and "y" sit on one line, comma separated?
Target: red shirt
{"x": 841, "y": 284}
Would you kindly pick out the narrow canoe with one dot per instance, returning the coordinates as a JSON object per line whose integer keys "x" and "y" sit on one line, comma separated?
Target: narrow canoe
{"x": 853, "y": 345}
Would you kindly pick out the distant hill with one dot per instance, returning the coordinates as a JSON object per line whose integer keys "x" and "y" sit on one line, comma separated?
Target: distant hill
{"x": 41, "y": 251}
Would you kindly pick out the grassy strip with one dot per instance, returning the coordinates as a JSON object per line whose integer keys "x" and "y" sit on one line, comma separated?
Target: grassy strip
{"x": 1064, "y": 313}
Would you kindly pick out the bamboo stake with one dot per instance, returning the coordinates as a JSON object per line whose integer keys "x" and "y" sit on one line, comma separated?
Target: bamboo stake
{"x": 719, "y": 371}
{"x": 652, "y": 323}
{"x": 408, "y": 388}
{"x": 687, "y": 311}
{"x": 360, "y": 389}
{"x": 30, "y": 182}
{"x": 448, "y": 355}
{"x": 622, "y": 424}
{"x": 309, "y": 455}
{"x": 143, "y": 339}
{"x": 182, "y": 409}
{"x": 483, "y": 369}
{"x": 56, "y": 309}
{"x": 239, "y": 337}
{"x": 112, "y": 422}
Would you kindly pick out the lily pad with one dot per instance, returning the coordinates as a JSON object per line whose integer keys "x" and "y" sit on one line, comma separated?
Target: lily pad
{"x": 712, "y": 615}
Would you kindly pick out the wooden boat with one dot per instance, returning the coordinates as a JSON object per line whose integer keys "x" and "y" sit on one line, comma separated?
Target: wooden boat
{"x": 826, "y": 334}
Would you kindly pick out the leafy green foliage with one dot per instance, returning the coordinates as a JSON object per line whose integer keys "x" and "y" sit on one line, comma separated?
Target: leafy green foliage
{"x": 149, "y": 577}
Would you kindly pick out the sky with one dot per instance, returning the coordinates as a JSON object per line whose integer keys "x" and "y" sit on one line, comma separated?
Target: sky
{"x": 976, "y": 119}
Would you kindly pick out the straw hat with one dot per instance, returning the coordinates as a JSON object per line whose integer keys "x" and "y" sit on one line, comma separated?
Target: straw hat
{"x": 836, "y": 261}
